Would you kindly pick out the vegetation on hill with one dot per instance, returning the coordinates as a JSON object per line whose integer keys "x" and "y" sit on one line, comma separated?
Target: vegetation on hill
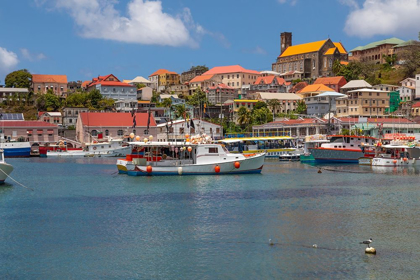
{"x": 19, "y": 79}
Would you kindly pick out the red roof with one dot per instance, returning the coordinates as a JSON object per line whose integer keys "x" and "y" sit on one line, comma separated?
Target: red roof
{"x": 116, "y": 119}
{"x": 415, "y": 105}
{"x": 331, "y": 80}
{"x": 269, "y": 79}
{"x": 38, "y": 78}
{"x": 85, "y": 84}
{"x": 230, "y": 69}
{"x": 26, "y": 124}
{"x": 222, "y": 86}
{"x": 162, "y": 71}
{"x": 111, "y": 84}
{"x": 304, "y": 121}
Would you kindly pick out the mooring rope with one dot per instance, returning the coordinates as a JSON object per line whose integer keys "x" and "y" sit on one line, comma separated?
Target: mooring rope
{"x": 10, "y": 177}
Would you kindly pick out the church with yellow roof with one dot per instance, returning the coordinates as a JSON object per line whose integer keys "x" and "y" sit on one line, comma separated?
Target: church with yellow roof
{"x": 310, "y": 60}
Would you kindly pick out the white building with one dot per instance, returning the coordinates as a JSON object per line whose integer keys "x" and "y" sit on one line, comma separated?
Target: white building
{"x": 175, "y": 99}
{"x": 176, "y": 130}
{"x": 70, "y": 115}
{"x": 111, "y": 87}
{"x": 417, "y": 86}
{"x": 408, "y": 89}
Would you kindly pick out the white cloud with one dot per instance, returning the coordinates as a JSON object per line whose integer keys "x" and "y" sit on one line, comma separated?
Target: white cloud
{"x": 8, "y": 61}
{"x": 292, "y": 2}
{"x": 144, "y": 23}
{"x": 384, "y": 17}
{"x": 256, "y": 50}
{"x": 350, "y": 3}
{"x": 32, "y": 56}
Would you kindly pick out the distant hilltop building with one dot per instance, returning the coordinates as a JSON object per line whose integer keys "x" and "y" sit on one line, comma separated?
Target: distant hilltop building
{"x": 162, "y": 78}
{"x": 43, "y": 83}
{"x": 376, "y": 52}
{"x": 310, "y": 60}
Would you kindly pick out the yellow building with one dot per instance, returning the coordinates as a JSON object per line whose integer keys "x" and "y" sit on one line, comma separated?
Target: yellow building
{"x": 162, "y": 78}
{"x": 363, "y": 103}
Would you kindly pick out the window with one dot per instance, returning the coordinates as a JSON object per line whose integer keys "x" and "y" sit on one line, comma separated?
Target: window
{"x": 70, "y": 120}
{"x": 120, "y": 132}
{"x": 94, "y": 133}
{"x": 237, "y": 76}
{"x": 181, "y": 130}
{"x": 213, "y": 150}
{"x": 217, "y": 130}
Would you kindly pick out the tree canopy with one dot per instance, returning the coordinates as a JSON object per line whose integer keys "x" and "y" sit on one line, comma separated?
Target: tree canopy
{"x": 19, "y": 79}
{"x": 202, "y": 68}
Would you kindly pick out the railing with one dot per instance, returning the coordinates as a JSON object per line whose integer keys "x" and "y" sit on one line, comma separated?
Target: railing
{"x": 251, "y": 134}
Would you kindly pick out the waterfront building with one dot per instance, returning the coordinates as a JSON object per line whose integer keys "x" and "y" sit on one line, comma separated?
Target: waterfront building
{"x": 355, "y": 84}
{"x": 10, "y": 94}
{"x": 70, "y": 115}
{"x": 175, "y": 131}
{"x": 51, "y": 117}
{"x": 203, "y": 82}
{"x": 364, "y": 103}
{"x": 36, "y": 132}
{"x": 43, "y": 83}
{"x": 294, "y": 128}
{"x": 335, "y": 83}
{"x": 115, "y": 125}
{"x": 375, "y": 52}
{"x": 220, "y": 93}
{"x": 311, "y": 60}
{"x": 111, "y": 87}
{"x": 145, "y": 93}
{"x": 162, "y": 78}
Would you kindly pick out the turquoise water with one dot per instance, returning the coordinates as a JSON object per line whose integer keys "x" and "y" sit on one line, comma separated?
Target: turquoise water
{"x": 84, "y": 221}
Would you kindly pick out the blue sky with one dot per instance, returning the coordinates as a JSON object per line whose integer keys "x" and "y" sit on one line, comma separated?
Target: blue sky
{"x": 86, "y": 38}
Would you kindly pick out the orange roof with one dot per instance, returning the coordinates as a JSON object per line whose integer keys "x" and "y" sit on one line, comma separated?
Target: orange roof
{"x": 85, "y": 84}
{"x": 330, "y": 51}
{"x": 340, "y": 48}
{"x": 344, "y": 62}
{"x": 230, "y": 69}
{"x": 315, "y": 88}
{"x": 415, "y": 105}
{"x": 201, "y": 78}
{"x": 116, "y": 119}
{"x": 60, "y": 79}
{"x": 269, "y": 79}
{"x": 162, "y": 71}
{"x": 303, "y": 48}
{"x": 329, "y": 80}
{"x": 144, "y": 101}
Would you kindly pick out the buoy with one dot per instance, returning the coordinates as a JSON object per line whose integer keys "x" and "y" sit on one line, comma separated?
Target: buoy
{"x": 394, "y": 161}
{"x": 150, "y": 138}
{"x": 137, "y": 138}
{"x": 405, "y": 159}
{"x": 180, "y": 170}
{"x": 270, "y": 242}
{"x": 149, "y": 169}
{"x": 189, "y": 149}
{"x": 319, "y": 170}
{"x": 131, "y": 135}
{"x": 370, "y": 250}
{"x": 314, "y": 246}
{"x": 237, "y": 164}
{"x": 145, "y": 140}
{"x": 217, "y": 169}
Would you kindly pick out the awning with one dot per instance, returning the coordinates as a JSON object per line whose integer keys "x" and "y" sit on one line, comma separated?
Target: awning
{"x": 40, "y": 131}
{"x": 50, "y": 131}
{"x": 29, "y": 131}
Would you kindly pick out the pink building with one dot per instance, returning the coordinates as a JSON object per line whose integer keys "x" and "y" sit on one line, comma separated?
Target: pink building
{"x": 56, "y": 83}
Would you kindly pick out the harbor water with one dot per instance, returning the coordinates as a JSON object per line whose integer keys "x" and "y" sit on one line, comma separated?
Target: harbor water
{"x": 82, "y": 220}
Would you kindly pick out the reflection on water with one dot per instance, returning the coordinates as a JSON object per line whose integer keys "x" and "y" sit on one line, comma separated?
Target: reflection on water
{"x": 83, "y": 221}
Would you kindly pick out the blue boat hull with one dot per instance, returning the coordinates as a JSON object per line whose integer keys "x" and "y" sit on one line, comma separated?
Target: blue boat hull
{"x": 17, "y": 152}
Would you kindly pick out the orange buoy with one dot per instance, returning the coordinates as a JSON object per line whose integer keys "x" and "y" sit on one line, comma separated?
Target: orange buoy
{"x": 189, "y": 149}
{"x": 405, "y": 159}
{"x": 394, "y": 161}
{"x": 237, "y": 164}
{"x": 149, "y": 169}
{"x": 217, "y": 169}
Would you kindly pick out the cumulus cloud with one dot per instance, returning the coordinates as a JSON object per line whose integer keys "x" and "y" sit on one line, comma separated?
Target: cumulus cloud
{"x": 292, "y": 2}
{"x": 144, "y": 22}
{"x": 383, "y": 17}
{"x": 8, "y": 61}
{"x": 32, "y": 56}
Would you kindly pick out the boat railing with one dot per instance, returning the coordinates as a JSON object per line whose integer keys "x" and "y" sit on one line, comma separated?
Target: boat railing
{"x": 251, "y": 134}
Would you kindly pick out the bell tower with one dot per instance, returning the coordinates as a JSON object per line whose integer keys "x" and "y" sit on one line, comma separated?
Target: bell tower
{"x": 285, "y": 41}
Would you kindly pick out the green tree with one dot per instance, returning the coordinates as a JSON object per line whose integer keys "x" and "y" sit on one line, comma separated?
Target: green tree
{"x": 301, "y": 107}
{"x": 52, "y": 102}
{"x": 244, "y": 117}
{"x": 19, "y": 79}
{"x": 94, "y": 96}
{"x": 259, "y": 105}
{"x": 274, "y": 104}
{"x": 411, "y": 60}
{"x": 106, "y": 104}
{"x": 155, "y": 97}
{"x": 202, "y": 68}
{"x": 261, "y": 116}
{"x": 139, "y": 86}
{"x": 180, "y": 111}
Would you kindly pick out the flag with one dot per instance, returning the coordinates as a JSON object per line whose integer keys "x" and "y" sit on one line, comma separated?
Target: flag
{"x": 134, "y": 121}
{"x": 192, "y": 124}
{"x": 132, "y": 112}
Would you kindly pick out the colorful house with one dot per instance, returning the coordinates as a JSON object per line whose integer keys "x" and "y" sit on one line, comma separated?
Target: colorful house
{"x": 334, "y": 83}
{"x": 42, "y": 83}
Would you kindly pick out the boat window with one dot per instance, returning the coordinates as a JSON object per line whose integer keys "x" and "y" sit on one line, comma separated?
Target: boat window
{"x": 335, "y": 146}
{"x": 213, "y": 150}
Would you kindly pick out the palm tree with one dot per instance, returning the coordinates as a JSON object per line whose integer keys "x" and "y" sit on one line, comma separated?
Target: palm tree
{"x": 244, "y": 117}
{"x": 274, "y": 104}
{"x": 167, "y": 103}
{"x": 180, "y": 111}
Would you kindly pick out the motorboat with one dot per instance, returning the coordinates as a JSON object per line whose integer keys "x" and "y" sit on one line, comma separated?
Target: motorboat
{"x": 167, "y": 158}
{"x": 5, "y": 168}
{"x": 16, "y": 149}
{"x": 107, "y": 148}
{"x": 397, "y": 153}
{"x": 343, "y": 148}
{"x": 289, "y": 157}
{"x": 312, "y": 141}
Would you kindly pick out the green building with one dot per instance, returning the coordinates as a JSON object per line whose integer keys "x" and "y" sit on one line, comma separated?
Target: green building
{"x": 394, "y": 102}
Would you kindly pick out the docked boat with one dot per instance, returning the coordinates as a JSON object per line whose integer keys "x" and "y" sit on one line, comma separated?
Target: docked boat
{"x": 273, "y": 146}
{"x": 188, "y": 159}
{"x": 5, "y": 168}
{"x": 312, "y": 141}
{"x": 108, "y": 148}
{"x": 289, "y": 157}
{"x": 397, "y": 153}
{"x": 16, "y": 149}
{"x": 343, "y": 148}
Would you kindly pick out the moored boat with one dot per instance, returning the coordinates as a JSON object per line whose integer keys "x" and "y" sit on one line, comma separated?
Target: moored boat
{"x": 289, "y": 157}
{"x": 343, "y": 148}
{"x": 5, "y": 168}
{"x": 189, "y": 159}
{"x": 399, "y": 152}
{"x": 16, "y": 149}
{"x": 312, "y": 141}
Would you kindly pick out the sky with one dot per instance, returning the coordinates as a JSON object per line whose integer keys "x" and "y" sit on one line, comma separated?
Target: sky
{"x": 86, "y": 38}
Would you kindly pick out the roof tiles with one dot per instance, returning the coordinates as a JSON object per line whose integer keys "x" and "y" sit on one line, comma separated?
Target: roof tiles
{"x": 116, "y": 119}
{"x": 39, "y": 78}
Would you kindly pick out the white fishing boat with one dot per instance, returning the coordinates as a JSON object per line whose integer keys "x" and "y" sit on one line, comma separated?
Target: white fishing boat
{"x": 106, "y": 148}
{"x": 164, "y": 158}
{"x": 5, "y": 168}
{"x": 289, "y": 157}
{"x": 397, "y": 153}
